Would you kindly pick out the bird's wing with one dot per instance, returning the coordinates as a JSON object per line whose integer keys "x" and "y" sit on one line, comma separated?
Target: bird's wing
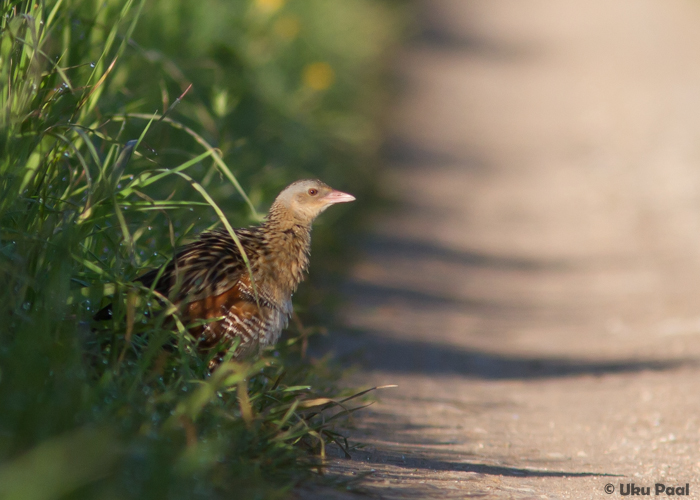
{"x": 207, "y": 267}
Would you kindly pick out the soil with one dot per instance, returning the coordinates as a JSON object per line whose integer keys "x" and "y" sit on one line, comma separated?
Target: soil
{"x": 535, "y": 292}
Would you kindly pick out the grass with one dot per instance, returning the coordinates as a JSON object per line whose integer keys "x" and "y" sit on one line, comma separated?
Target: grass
{"x": 126, "y": 127}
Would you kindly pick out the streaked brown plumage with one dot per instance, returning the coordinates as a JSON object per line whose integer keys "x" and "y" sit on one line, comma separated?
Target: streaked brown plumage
{"x": 209, "y": 278}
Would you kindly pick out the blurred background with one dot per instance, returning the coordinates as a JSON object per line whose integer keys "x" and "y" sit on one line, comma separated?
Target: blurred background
{"x": 524, "y": 244}
{"x": 547, "y": 161}
{"x": 535, "y": 297}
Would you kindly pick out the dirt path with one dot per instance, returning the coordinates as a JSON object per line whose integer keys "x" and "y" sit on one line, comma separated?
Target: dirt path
{"x": 536, "y": 294}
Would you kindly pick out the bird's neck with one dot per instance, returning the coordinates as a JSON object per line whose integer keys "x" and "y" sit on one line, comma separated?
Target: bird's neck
{"x": 289, "y": 242}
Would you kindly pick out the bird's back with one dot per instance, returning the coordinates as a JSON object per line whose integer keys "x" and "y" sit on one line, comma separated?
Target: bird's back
{"x": 209, "y": 279}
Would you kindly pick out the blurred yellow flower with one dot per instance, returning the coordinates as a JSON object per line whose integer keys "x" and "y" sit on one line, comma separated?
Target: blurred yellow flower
{"x": 287, "y": 27}
{"x": 318, "y": 75}
{"x": 269, "y": 6}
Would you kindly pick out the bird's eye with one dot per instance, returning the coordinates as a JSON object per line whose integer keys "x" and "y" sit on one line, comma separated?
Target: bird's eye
{"x": 313, "y": 192}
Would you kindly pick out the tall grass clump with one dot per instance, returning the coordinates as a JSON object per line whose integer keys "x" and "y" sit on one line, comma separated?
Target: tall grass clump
{"x": 127, "y": 126}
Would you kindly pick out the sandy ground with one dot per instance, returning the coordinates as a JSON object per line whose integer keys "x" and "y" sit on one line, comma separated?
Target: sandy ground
{"x": 536, "y": 292}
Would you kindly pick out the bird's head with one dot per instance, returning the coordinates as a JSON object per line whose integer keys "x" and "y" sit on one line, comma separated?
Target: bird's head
{"x": 304, "y": 200}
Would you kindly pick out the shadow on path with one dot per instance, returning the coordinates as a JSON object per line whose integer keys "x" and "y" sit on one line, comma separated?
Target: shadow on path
{"x": 410, "y": 248}
{"x": 385, "y": 475}
{"x": 479, "y": 468}
{"x": 375, "y": 351}
{"x": 439, "y": 37}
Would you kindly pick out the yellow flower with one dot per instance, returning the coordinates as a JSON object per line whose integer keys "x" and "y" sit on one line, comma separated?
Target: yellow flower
{"x": 269, "y": 6}
{"x": 318, "y": 75}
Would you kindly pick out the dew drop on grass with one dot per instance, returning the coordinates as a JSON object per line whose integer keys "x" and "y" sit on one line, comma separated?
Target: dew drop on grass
{"x": 150, "y": 228}
{"x": 26, "y": 306}
{"x": 92, "y": 65}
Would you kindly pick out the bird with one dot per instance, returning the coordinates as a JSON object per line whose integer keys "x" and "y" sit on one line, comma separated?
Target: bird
{"x": 225, "y": 299}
